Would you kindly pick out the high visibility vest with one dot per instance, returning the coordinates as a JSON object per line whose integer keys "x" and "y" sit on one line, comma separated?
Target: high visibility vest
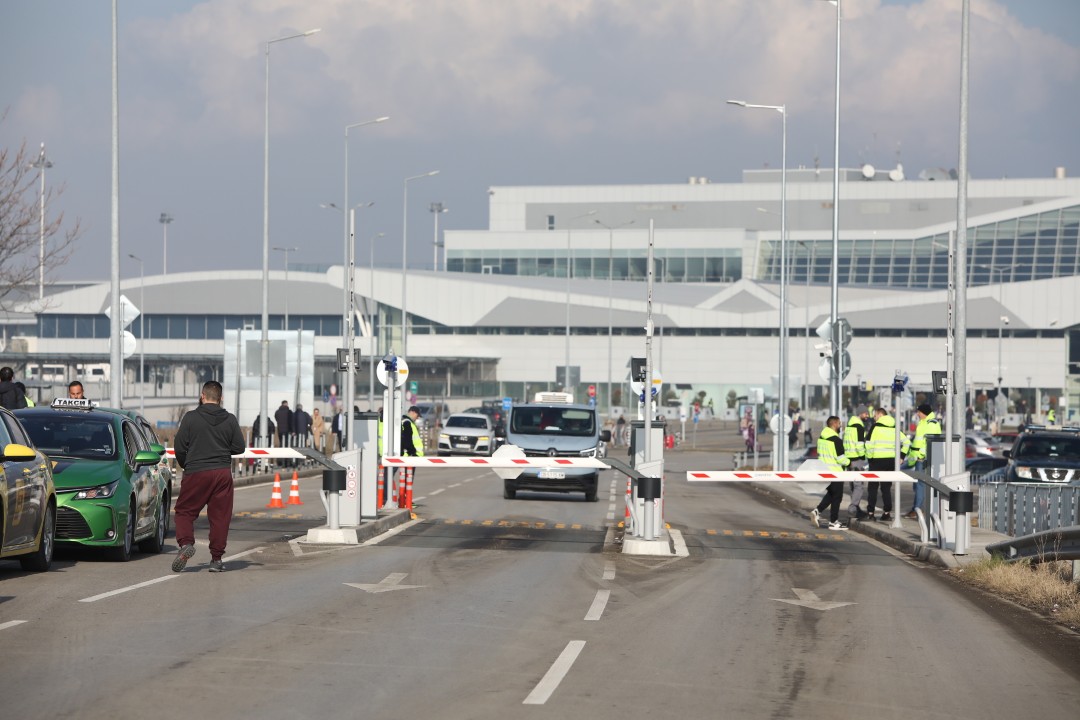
{"x": 854, "y": 448}
{"x": 882, "y": 440}
{"x": 826, "y": 450}
{"x": 929, "y": 425}
{"x": 1050, "y": 417}
{"x": 417, "y": 442}
{"x": 29, "y": 402}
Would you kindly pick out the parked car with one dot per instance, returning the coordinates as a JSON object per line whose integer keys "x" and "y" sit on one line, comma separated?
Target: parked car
{"x": 110, "y": 493}
{"x": 1004, "y": 440}
{"x": 155, "y": 444}
{"x": 1044, "y": 455}
{"x": 467, "y": 434}
{"x": 978, "y": 445}
{"x": 27, "y": 499}
{"x": 981, "y": 467}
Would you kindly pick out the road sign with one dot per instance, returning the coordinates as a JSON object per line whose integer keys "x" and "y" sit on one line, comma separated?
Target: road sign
{"x": 774, "y": 424}
{"x": 401, "y": 371}
{"x": 413, "y": 387}
{"x": 507, "y": 404}
{"x": 657, "y": 381}
{"x": 825, "y": 367}
{"x": 592, "y": 391}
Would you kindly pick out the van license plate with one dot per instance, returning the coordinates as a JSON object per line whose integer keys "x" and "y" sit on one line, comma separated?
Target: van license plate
{"x": 552, "y": 474}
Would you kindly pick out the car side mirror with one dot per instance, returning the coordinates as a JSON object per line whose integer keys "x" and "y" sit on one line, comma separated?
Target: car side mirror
{"x": 159, "y": 449}
{"x": 18, "y": 453}
{"x": 146, "y": 457}
{"x": 605, "y": 436}
{"x": 1007, "y": 453}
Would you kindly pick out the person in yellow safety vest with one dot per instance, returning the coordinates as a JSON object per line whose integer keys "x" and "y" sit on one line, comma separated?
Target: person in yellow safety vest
{"x": 881, "y": 456}
{"x": 855, "y": 451}
{"x": 831, "y": 452}
{"x": 916, "y": 458}
{"x": 1050, "y": 416}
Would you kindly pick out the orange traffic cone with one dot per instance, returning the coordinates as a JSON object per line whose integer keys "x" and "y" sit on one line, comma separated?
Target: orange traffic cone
{"x": 275, "y": 496}
{"x": 294, "y": 491}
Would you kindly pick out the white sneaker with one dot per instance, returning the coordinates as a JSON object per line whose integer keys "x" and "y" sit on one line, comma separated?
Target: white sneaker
{"x": 814, "y": 518}
{"x": 837, "y": 525}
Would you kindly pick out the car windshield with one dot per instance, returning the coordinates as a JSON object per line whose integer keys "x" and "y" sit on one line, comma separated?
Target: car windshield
{"x": 466, "y": 422}
{"x": 88, "y": 438}
{"x": 553, "y": 420}
{"x": 1065, "y": 448}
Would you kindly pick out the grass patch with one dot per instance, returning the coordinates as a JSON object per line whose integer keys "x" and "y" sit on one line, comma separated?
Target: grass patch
{"x": 1044, "y": 587}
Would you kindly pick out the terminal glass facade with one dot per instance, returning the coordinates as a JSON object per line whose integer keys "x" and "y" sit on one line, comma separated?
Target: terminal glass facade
{"x": 684, "y": 265}
{"x": 181, "y": 327}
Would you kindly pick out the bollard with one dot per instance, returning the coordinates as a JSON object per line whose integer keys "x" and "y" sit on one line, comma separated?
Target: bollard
{"x": 333, "y": 483}
{"x": 649, "y": 490}
{"x": 961, "y": 502}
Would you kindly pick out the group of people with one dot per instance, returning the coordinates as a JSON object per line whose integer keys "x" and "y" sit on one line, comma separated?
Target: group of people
{"x": 13, "y": 392}
{"x": 290, "y": 427}
{"x": 871, "y": 449}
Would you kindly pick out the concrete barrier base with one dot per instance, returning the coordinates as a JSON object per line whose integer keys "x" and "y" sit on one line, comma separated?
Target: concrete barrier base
{"x": 639, "y": 546}
{"x": 356, "y": 534}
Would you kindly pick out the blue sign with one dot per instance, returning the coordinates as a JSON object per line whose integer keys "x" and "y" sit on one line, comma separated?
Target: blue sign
{"x": 592, "y": 402}
{"x": 507, "y": 402}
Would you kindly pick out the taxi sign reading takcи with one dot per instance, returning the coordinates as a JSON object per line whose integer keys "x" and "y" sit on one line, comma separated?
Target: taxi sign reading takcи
{"x": 72, "y": 403}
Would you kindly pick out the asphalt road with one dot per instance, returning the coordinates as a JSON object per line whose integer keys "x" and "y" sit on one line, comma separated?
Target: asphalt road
{"x": 490, "y": 608}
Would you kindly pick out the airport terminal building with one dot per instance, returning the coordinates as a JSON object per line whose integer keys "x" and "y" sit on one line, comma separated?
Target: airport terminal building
{"x": 492, "y": 320}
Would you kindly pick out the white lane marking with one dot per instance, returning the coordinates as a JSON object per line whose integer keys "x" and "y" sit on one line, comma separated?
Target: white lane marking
{"x": 598, "y": 604}
{"x": 679, "y": 542}
{"x": 467, "y": 480}
{"x": 389, "y": 533}
{"x": 418, "y": 499}
{"x": 609, "y": 571}
{"x": 11, "y": 623}
{"x": 550, "y": 682}
{"x": 129, "y": 588}
{"x": 436, "y": 492}
{"x": 611, "y": 514}
{"x": 239, "y": 555}
{"x": 454, "y": 485}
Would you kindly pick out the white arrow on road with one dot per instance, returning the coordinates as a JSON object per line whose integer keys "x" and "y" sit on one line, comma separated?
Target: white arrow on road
{"x": 390, "y": 582}
{"x": 809, "y": 599}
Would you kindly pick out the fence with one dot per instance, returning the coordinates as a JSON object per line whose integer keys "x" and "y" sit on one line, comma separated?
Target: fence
{"x": 1026, "y": 508}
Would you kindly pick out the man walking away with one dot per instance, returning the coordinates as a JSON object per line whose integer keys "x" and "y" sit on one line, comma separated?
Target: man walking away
{"x": 831, "y": 452}
{"x": 207, "y": 439}
{"x": 284, "y": 418}
{"x": 855, "y": 451}
{"x": 881, "y": 457}
{"x": 10, "y": 396}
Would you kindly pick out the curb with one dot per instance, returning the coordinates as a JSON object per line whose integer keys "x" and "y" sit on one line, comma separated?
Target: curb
{"x": 386, "y": 520}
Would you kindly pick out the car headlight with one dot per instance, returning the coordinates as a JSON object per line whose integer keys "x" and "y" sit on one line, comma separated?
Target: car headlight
{"x": 97, "y": 493}
{"x": 483, "y": 438}
{"x": 1025, "y": 472}
{"x": 591, "y": 452}
{"x": 443, "y": 436}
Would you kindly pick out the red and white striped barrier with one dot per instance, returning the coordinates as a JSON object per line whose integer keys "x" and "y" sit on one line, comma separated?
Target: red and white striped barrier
{"x": 252, "y": 452}
{"x": 802, "y": 476}
{"x": 493, "y": 462}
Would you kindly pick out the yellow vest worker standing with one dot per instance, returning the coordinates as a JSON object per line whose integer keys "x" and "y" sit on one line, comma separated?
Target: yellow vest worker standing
{"x": 855, "y": 451}
{"x": 831, "y": 452}
{"x": 881, "y": 457}
{"x": 412, "y": 445}
{"x": 928, "y": 425}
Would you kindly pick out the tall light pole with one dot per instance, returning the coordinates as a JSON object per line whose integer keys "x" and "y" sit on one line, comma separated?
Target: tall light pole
{"x": 371, "y": 322}
{"x": 782, "y": 399}
{"x": 1002, "y": 319}
{"x": 264, "y": 375}
{"x": 405, "y": 258}
{"x": 286, "y": 250}
{"x": 437, "y": 209}
{"x": 165, "y": 219}
{"x": 116, "y": 326}
{"x": 142, "y": 334}
{"x": 569, "y": 274}
{"x": 611, "y": 291}
{"x": 834, "y": 295}
{"x": 41, "y": 164}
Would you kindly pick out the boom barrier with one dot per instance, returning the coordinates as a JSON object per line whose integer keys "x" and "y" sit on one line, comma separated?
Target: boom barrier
{"x": 800, "y": 476}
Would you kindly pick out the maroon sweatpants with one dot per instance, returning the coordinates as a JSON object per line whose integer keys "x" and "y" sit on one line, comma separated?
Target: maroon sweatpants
{"x": 212, "y": 489}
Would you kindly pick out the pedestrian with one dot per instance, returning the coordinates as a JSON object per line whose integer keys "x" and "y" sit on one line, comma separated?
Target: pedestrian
{"x": 881, "y": 457}
{"x": 855, "y": 451}
{"x": 75, "y": 390}
{"x": 283, "y": 417}
{"x": 1051, "y": 418}
{"x": 337, "y": 427}
{"x": 22, "y": 388}
{"x": 620, "y": 428}
{"x": 412, "y": 445}
{"x": 207, "y": 439}
{"x": 317, "y": 430}
{"x": 10, "y": 395}
{"x": 793, "y": 433}
{"x": 257, "y": 435}
{"x": 916, "y": 458}
{"x": 301, "y": 425}
{"x": 831, "y": 452}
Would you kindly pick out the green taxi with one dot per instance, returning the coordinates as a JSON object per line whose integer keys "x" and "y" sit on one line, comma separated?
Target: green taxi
{"x": 27, "y": 499}
{"x": 110, "y": 492}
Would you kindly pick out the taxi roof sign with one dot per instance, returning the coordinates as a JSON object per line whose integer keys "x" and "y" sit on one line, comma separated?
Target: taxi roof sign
{"x": 72, "y": 404}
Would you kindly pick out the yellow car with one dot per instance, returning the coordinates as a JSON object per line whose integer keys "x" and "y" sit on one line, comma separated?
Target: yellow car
{"x": 27, "y": 499}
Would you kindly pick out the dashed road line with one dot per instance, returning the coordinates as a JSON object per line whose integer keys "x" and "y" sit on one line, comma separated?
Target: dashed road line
{"x": 598, "y": 604}
{"x": 782, "y": 534}
{"x": 609, "y": 571}
{"x": 453, "y": 485}
{"x": 11, "y": 624}
{"x": 129, "y": 588}
{"x": 550, "y": 682}
{"x": 436, "y": 492}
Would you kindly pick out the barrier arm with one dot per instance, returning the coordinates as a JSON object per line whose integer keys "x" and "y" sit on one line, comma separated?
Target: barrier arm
{"x": 799, "y": 476}
{"x": 276, "y": 454}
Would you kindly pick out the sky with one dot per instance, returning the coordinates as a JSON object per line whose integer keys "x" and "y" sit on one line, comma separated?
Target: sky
{"x": 496, "y": 92}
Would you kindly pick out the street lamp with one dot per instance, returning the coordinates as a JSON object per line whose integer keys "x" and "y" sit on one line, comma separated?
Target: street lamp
{"x": 611, "y": 291}
{"x": 41, "y": 164}
{"x": 286, "y": 250}
{"x": 165, "y": 219}
{"x": 142, "y": 334}
{"x": 834, "y": 294}
{"x": 569, "y": 273}
{"x": 437, "y": 209}
{"x": 264, "y": 425}
{"x": 371, "y": 322}
{"x": 404, "y": 257}
{"x": 1002, "y": 319}
{"x": 782, "y": 401}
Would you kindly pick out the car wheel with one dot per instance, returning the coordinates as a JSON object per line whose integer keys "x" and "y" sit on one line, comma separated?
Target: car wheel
{"x": 156, "y": 543}
{"x": 41, "y": 560}
{"x": 509, "y": 490}
{"x": 122, "y": 553}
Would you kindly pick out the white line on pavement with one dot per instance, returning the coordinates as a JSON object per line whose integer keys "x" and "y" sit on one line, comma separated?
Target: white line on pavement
{"x": 390, "y": 533}
{"x": 436, "y": 492}
{"x": 454, "y": 485}
{"x": 136, "y": 586}
{"x": 418, "y": 499}
{"x": 679, "y": 542}
{"x": 609, "y": 571}
{"x": 550, "y": 682}
{"x": 611, "y": 514}
{"x": 598, "y": 604}
{"x": 239, "y": 555}
{"x": 11, "y": 623}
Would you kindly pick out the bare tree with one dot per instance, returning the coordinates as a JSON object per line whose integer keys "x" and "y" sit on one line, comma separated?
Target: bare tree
{"x": 21, "y": 230}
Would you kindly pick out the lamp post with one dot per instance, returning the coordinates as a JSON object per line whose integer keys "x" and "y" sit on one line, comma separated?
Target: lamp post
{"x": 264, "y": 425}
{"x": 405, "y": 256}
{"x": 437, "y": 209}
{"x": 165, "y": 219}
{"x": 1002, "y": 319}
{"x": 142, "y": 334}
{"x": 611, "y": 291}
{"x": 782, "y": 399}
{"x": 569, "y": 274}
{"x": 371, "y": 321}
{"x": 41, "y": 164}
{"x": 286, "y": 250}
{"x": 834, "y": 294}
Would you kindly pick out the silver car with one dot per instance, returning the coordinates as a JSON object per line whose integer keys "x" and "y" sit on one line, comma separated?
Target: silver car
{"x": 467, "y": 434}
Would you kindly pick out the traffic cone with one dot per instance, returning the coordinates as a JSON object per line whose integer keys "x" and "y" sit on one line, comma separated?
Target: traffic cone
{"x": 275, "y": 496}
{"x": 294, "y": 491}
{"x": 381, "y": 491}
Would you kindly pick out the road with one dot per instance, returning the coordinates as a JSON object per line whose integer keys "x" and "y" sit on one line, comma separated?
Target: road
{"x": 489, "y": 608}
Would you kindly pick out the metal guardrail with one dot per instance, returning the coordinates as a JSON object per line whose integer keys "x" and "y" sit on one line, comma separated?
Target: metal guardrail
{"x": 1020, "y": 509}
{"x": 1045, "y": 546}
